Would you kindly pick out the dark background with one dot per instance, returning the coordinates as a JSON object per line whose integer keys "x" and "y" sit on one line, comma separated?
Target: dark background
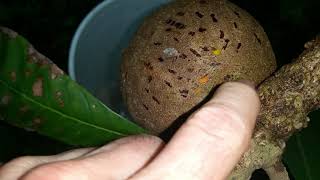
{"x": 50, "y": 24}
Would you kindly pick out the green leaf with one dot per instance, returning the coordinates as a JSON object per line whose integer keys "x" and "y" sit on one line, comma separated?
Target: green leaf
{"x": 36, "y": 95}
{"x": 303, "y": 150}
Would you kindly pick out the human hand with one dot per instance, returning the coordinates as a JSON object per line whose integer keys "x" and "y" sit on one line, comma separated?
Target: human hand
{"x": 207, "y": 146}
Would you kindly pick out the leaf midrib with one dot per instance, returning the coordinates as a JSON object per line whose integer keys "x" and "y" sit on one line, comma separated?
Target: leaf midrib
{"x": 57, "y": 112}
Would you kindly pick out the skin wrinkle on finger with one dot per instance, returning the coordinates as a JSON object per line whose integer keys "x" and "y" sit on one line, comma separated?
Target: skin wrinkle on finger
{"x": 119, "y": 162}
{"x": 17, "y": 167}
{"x": 219, "y": 147}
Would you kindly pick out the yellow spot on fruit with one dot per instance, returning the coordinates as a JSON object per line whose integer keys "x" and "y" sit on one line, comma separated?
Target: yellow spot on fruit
{"x": 216, "y": 52}
{"x": 204, "y": 79}
{"x": 197, "y": 91}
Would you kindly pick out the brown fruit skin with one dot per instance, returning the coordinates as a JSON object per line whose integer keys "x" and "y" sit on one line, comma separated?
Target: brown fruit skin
{"x": 186, "y": 49}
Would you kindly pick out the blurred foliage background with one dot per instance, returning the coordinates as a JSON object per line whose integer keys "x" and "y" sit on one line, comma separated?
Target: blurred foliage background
{"x": 49, "y": 25}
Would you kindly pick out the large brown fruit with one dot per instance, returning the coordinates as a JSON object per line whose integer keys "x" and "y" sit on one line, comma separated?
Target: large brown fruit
{"x": 185, "y": 50}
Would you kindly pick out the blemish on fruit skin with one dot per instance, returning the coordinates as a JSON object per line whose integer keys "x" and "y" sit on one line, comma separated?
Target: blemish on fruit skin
{"x": 203, "y": 80}
{"x": 213, "y": 17}
{"x": 37, "y": 88}
{"x": 172, "y": 71}
{"x": 148, "y": 66}
{"x": 197, "y": 91}
{"x": 199, "y": 14}
{"x": 191, "y": 33}
{"x": 170, "y": 52}
{"x": 216, "y": 52}
{"x": 226, "y": 45}
{"x": 184, "y": 93}
{"x": 160, "y": 59}
{"x": 180, "y": 14}
{"x": 221, "y": 34}
{"x": 146, "y": 107}
{"x": 156, "y": 100}
{"x": 168, "y": 84}
{"x": 195, "y": 52}
{"x": 5, "y": 100}
{"x": 150, "y": 78}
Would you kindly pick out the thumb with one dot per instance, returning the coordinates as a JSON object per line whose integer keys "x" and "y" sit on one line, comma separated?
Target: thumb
{"x": 213, "y": 139}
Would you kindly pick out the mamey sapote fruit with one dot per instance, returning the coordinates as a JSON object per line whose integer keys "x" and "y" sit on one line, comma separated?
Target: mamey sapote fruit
{"x": 186, "y": 49}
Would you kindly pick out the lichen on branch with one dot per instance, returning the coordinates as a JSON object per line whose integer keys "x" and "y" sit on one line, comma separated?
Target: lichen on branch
{"x": 286, "y": 99}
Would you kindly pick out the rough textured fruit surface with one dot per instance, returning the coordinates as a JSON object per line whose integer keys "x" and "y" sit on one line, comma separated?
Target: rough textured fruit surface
{"x": 186, "y": 49}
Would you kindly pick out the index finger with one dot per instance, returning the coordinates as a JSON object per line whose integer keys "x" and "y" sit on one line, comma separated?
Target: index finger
{"x": 212, "y": 140}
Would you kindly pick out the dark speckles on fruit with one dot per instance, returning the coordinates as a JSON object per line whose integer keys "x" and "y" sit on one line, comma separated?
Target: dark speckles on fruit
{"x": 5, "y": 99}
{"x": 180, "y": 14}
{"x": 195, "y": 52}
{"x": 150, "y": 78}
{"x": 37, "y": 87}
{"x": 190, "y": 70}
{"x": 235, "y": 25}
{"x": 148, "y": 66}
{"x": 146, "y": 107}
{"x": 205, "y": 48}
{"x": 257, "y": 38}
{"x": 215, "y": 64}
{"x": 221, "y": 34}
{"x": 191, "y": 33}
{"x": 184, "y": 93}
{"x": 155, "y": 100}
{"x": 202, "y": 29}
{"x": 239, "y": 46}
{"x": 200, "y": 56}
{"x": 160, "y": 59}
{"x": 172, "y": 71}
{"x": 183, "y": 56}
{"x": 213, "y": 17}
{"x": 199, "y": 14}
{"x": 226, "y": 44}
{"x": 168, "y": 84}
{"x": 237, "y": 14}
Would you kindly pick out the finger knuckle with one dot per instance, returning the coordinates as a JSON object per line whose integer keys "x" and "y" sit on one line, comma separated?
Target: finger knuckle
{"x": 20, "y": 161}
{"x": 54, "y": 171}
{"x": 219, "y": 122}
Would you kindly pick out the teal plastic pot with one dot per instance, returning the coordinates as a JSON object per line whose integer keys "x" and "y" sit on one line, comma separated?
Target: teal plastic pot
{"x": 95, "y": 53}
